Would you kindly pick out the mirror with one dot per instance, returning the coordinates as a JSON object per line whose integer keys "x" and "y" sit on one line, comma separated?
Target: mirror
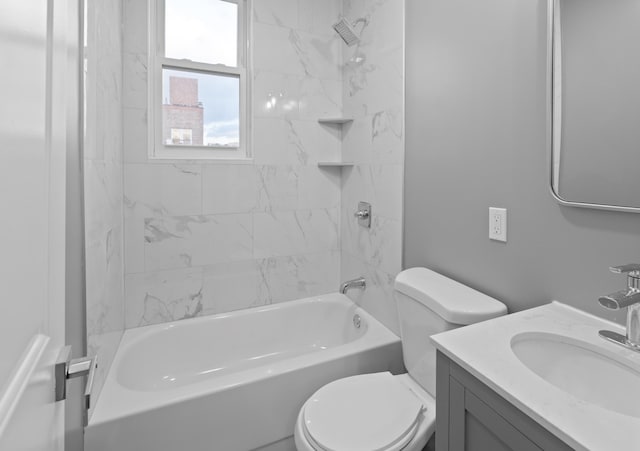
{"x": 595, "y": 103}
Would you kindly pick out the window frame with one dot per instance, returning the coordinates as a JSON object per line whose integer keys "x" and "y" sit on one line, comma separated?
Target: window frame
{"x": 158, "y": 149}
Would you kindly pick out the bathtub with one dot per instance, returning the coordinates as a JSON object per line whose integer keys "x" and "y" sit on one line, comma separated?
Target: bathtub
{"x": 233, "y": 381}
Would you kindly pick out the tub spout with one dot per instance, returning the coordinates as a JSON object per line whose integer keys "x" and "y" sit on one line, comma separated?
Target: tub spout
{"x": 355, "y": 283}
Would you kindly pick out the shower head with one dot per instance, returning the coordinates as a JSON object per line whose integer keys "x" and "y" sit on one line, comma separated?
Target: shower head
{"x": 346, "y": 32}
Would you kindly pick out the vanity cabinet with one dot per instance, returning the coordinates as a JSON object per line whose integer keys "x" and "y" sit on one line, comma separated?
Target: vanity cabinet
{"x": 471, "y": 416}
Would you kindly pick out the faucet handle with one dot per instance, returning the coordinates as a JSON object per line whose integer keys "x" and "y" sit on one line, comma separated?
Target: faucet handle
{"x": 624, "y": 269}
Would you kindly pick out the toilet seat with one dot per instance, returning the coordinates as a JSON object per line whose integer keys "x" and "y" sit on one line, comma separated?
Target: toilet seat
{"x": 345, "y": 414}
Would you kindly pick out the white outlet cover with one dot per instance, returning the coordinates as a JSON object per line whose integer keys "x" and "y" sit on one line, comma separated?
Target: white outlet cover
{"x": 498, "y": 224}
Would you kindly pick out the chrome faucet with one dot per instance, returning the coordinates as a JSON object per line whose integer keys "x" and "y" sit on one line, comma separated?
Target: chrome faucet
{"x": 355, "y": 283}
{"x": 629, "y": 298}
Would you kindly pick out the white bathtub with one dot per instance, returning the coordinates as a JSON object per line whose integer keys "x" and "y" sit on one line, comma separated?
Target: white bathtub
{"x": 233, "y": 381}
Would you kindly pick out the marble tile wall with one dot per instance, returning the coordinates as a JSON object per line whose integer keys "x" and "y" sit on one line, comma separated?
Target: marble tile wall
{"x": 373, "y": 94}
{"x": 103, "y": 184}
{"x": 207, "y": 237}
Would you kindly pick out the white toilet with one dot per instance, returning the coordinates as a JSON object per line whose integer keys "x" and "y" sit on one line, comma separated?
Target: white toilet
{"x": 382, "y": 412}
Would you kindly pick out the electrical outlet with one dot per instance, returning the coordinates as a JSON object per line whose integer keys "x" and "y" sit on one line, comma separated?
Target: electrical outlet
{"x": 498, "y": 224}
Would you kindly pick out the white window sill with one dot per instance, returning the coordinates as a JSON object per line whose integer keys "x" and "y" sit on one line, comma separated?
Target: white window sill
{"x": 199, "y": 160}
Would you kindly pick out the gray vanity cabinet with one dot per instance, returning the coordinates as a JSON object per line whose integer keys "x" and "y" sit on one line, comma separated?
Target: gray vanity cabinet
{"x": 472, "y": 417}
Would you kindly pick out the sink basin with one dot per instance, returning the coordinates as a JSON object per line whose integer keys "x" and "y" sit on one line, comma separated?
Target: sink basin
{"x": 581, "y": 369}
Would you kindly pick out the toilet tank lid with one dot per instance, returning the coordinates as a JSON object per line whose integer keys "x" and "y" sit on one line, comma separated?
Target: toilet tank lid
{"x": 453, "y": 301}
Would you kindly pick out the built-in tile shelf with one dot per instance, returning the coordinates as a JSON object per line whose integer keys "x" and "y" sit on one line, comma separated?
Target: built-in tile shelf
{"x": 339, "y": 121}
{"x": 334, "y": 164}
{"x": 335, "y": 120}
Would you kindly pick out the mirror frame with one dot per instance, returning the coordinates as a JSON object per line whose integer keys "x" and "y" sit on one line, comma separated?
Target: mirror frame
{"x": 554, "y": 125}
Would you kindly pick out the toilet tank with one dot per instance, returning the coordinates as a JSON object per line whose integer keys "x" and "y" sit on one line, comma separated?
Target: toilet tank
{"x": 430, "y": 303}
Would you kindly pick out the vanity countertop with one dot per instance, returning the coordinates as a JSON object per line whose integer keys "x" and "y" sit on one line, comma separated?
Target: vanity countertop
{"x": 484, "y": 350}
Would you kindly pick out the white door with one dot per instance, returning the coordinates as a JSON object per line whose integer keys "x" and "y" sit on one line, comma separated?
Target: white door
{"x": 32, "y": 214}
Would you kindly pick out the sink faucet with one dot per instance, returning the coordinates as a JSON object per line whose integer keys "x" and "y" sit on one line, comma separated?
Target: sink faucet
{"x": 355, "y": 283}
{"x": 629, "y": 298}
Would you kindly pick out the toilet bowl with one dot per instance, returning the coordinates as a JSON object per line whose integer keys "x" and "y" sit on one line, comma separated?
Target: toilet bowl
{"x": 371, "y": 412}
{"x": 383, "y": 412}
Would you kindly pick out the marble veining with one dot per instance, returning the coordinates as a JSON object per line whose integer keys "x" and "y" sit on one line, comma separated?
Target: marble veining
{"x": 379, "y": 297}
{"x": 380, "y": 246}
{"x": 163, "y": 296}
{"x": 183, "y": 241}
{"x": 282, "y": 13}
{"x": 372, "y": 94}
{"x": 278, "y": 188}
{"x": 206, "y": 238}
{"x": 167, "y": 311}
{"x": 295, "y": 232}
{"x": 103, "y": 185}
{"x": 203, "y": 238}
{"x": 294, "y": 277}
{"x": 174, "y": 294}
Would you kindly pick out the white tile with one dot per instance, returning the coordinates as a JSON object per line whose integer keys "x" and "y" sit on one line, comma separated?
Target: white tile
{"x": 278, "y": 188}
{"x": 133, "y": 242}
{"x": 295, "y": 232}
{"x": 318, "y": 55}
{"x": 373, "y": 94}
{"x": 105, "y": 346}
{"x": 232, "y": 286}
{"x": 283, "y": 13}
{"x": 185, "y": 241}
{"x": 162, "y": 296}
{"x": 385, "y": 28}
{"x": 380, "y": 246}
{"x": 318, "y": 187}
{"x": 274, "y": 93}
{"x": 230, "y": 189}
{"x": 380, "y": 185}
{"x": 373, "y": 70}
{"x": 103, "y": 198}
{"x": 318, "y": 17}
{"x": 370, "y": 86}
{"x": 379, "y": 298}
{"x": 357, "y": 145}
{"x": 270, "y": 145}
{"x": 320, "y": 98}
{"x": 103, "y": 185}
{"x": 313, "y": 142}
{"x": 135, "y": 140}
{"x": 134, "y": 67}
{"x": 109, "y": 132}
{"x": 104, "y": 282}
{"x": 154, "y": 190}
{"x": 387, "y": 130}
{"x": 135, "y": 26}
{"x": 277, "y": 49}
{"x": 299, "y": 276}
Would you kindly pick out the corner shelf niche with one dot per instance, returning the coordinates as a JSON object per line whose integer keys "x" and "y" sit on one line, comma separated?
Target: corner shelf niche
{"x": 335, "y": 164}
{"x": 337, "y": 121}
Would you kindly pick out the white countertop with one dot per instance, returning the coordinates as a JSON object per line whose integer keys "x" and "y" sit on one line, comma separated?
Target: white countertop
{"x": 484, "y": 350}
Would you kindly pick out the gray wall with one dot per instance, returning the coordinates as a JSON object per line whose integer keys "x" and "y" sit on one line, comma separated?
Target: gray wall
{"x": 475, "y": 138}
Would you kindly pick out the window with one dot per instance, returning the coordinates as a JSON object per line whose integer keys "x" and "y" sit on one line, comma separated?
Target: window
{"x": 198, "y": 84}
{"x": 181, "y": 136}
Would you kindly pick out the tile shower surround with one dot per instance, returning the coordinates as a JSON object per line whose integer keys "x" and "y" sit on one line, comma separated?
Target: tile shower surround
{"x": 103, "y": 180}
{"x": 373, "y": 94}
{"x": 199, "y": 242}
{"x": 209, "y": 237}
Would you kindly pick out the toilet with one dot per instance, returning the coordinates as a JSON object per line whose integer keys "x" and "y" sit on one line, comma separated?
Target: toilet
{"x": 385, "y": 412}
